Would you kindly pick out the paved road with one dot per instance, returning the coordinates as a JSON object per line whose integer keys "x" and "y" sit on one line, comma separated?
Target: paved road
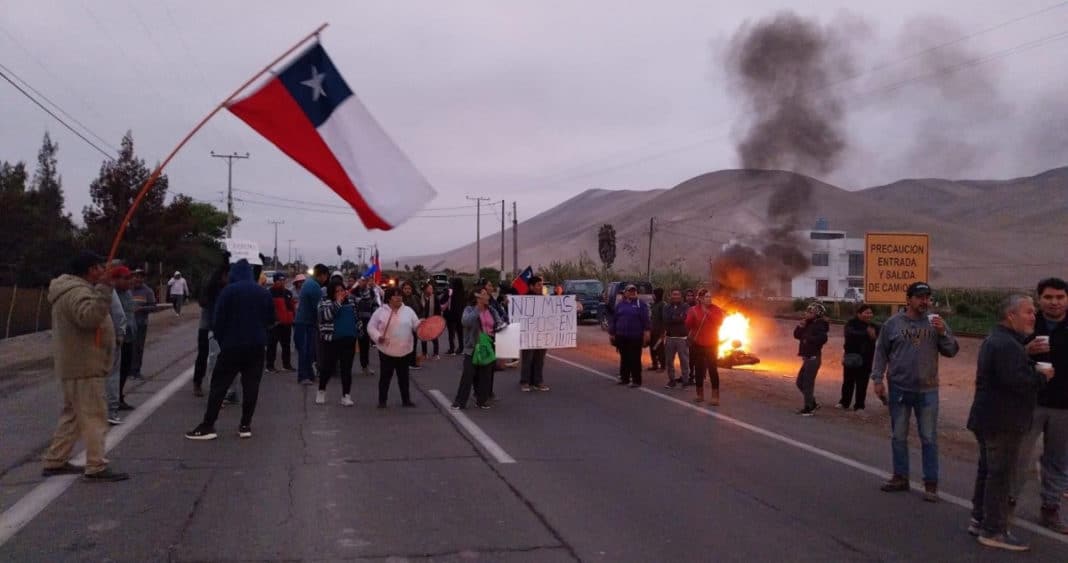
{"x": 601, "y": 473}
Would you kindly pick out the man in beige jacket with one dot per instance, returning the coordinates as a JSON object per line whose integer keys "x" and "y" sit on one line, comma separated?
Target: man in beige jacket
{"x": 83, "y": 341}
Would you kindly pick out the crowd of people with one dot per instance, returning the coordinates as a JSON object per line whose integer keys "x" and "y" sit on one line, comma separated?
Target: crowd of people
{"x": 100, "y": 319}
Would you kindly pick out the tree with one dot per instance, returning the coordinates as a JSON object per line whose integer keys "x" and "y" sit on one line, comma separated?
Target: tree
{"x": 606, "y": 245}
{"x": 113, "y": 193}
{"x": 419, "y": 272}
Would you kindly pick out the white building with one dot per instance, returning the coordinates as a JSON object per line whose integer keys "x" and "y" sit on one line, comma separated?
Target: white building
{"x": 837, "y": 265}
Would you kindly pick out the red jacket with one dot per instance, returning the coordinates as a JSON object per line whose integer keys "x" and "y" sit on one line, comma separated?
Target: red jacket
{"x": 283, "y": 306}
{"x": 703, "y": 324}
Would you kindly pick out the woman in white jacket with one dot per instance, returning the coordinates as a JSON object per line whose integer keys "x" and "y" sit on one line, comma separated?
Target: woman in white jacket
{"x": 392, "y": 328}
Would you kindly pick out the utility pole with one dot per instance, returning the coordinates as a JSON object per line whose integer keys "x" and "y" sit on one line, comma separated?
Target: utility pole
{"x": 290, "y": 241}
{"x": 230, "y": 189}
{"x": 515, "y": 243}
{"x": 649, "y": 261}
{"x": 276, "y": 223}
{"x": 502, "y": 240}
{"x": 478, "y": 233}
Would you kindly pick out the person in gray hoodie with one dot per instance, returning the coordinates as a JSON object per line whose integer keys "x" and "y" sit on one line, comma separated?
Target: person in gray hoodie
{"x": 906, "y": 352}
{"x": 478, "y": 318}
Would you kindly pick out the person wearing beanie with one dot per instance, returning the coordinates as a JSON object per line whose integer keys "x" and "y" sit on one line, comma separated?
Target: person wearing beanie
{"x": 811, "y": 335}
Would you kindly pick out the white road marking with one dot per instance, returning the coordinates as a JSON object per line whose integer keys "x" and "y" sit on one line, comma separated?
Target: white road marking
{"x": 487, "y": 443}
{"x": 35, "y": 501}
{"x": 952, "y": 499}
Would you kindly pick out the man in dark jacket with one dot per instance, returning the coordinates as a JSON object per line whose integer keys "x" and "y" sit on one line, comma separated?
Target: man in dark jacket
{"x": 243, "y": 313}
{"x": 281, "y": 332}
{"x": 532, "y": 361}
{"x": 1006, "y": 390}
{"x": 811, "y": 335}
{"x": 1049, "y": 343}
{"x": 366, "y": 304}
{"x": 630, "y": 332}
{"x": 675, "y": 342}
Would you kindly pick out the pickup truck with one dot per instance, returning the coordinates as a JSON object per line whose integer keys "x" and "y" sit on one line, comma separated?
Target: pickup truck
{"x": 588, "y": 293}
{"x": 614, "y": 293}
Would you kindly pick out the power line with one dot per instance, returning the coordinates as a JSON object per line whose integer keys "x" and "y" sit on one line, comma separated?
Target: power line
{"x": 56, "y": 117}
{"x": 341, "y": 206}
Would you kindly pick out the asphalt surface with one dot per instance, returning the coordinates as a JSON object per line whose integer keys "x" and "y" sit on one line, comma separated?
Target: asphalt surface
{"x": 600, "y": 473}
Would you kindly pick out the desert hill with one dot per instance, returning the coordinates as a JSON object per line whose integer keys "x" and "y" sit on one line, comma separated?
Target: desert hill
{"x": 984, "y": 233}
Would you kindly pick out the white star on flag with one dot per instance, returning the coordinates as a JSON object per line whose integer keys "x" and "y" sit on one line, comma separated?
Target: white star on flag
{"x": 316, "y": 84}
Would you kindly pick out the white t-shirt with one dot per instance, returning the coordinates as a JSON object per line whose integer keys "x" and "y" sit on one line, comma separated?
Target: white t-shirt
{"x": 177, "y": 286}
{"x": 397, "y": 326}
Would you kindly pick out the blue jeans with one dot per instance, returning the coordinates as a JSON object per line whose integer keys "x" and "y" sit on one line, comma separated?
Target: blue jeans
{"x": 305, "y": 337}
{"x": 925, "y": 405}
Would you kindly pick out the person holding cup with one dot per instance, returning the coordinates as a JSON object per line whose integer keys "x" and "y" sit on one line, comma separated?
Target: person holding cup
{"x": 1007, "y": 383}
{"x": 1049, "y": 346}
{"x": 907, "y": 352}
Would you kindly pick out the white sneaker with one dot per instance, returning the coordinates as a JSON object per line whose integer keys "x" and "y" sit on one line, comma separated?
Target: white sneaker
{"x": 346, "y": 401}
{"x": 320, "y": 397}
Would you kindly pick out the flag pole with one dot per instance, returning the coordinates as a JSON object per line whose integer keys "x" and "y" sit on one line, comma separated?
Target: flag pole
{"x": 159, "y": 167}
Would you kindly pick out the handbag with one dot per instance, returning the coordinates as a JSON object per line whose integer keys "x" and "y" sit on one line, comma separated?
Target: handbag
{"x": 853, "y": 360}
{"x": 484, "y": 354}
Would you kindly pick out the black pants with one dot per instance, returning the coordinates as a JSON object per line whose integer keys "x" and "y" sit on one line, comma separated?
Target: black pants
{"x": 338, "y": 354}
{"x": 656, "y": 351}
{"x": 456, "y": 334}
{"x": 388, "y": 365}
{"x": 125, "y": 362}
{"x": 176, "y": 302}
{"x": 425, "y": 346}
{"x": 365, "y": 348}
{"x": 855, "y": 383}
{"x": 246, "y": 360}
{"x": 413, "y": 360}
{"x": 473, "y": 376}
{"x": 280, "y": 335}
{"x": 200, "y": 366}
{"x": 705, "y": 363}
{"x": 630, "y": 354}
{"x": 532, "y": 366}
{"x": 806, "y": 379}
{"x": 999, "y": 454}
{"x": 693, "y": 360}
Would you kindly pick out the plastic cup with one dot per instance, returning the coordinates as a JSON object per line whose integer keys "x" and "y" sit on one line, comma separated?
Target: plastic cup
{"x": 1043, "y": 339}
{"x": 932, "y": 317}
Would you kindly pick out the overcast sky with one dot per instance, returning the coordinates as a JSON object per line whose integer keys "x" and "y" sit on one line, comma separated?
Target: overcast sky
{"x": 526, "y": 101}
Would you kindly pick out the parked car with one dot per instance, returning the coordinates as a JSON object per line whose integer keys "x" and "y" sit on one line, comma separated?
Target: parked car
{"x": 588, "y": 293}
{"x": 440, "y": 281}
{"x": 854, "y": 294}
{"x": 614, "y": 293}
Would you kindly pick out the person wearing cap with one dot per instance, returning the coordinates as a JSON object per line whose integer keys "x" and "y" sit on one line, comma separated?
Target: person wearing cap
{"x": 83, "y": 343}
{"x": 144, "y": 299}
{"x": 811, "y": 335}
{"x": 630, "y": 331}
{"x": 906, "y": 353}
{"x": 177, "y": 290}
{"x": 121, "y": 276}
{"x": 305, "y": 323}
{"x": 1006, "y": 392}
{"x": 282, "y": 332}
{"x": 119, "y": 321}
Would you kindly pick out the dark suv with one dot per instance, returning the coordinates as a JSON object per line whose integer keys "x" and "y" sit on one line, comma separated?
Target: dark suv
{"x": 615, "y": 292}
{"x": 588, "y": 293}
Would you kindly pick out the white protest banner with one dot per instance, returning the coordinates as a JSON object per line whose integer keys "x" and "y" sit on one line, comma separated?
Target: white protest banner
{"x": 546, "y": 321}
{"x": 506, "y": 343}
{"x": 247, "y": 249}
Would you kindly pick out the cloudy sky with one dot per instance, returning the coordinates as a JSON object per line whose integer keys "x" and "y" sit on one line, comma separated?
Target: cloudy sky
{"x": 531, "y": 102}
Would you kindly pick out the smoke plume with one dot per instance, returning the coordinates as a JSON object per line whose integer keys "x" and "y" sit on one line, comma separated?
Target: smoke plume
{"x": 784, "y": 70}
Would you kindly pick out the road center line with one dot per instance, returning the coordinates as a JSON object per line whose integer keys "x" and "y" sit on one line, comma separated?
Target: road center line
{"x": 35, "y": 501}
{"x": 481, "y": 437}
{"x": 952, "y": 499}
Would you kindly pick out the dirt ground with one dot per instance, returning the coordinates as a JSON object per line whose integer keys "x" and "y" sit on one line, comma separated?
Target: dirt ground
{"x": 772, "y": 380}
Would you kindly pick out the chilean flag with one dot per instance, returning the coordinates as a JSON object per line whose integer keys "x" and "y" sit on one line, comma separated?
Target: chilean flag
{"x": 522, "y": 283}
{"x": 375, "y": 269}
{"x": 308, "y": 111}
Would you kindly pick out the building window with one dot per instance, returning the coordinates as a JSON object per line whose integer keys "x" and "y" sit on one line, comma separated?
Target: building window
{"x": 821, "y": 259}
{"x": 814, "y": 235}
{"x": 855, "y": 282}
{"x": 822, "y": 288}
{"x": 856, "y": 263}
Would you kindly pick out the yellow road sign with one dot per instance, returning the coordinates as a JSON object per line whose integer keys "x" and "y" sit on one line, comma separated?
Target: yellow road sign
{"x": 892, "y": 261}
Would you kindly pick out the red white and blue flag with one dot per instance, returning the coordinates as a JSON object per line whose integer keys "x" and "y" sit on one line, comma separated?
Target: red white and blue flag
{"x": 308, "y": 111}
{"x": 522, "y": 283}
